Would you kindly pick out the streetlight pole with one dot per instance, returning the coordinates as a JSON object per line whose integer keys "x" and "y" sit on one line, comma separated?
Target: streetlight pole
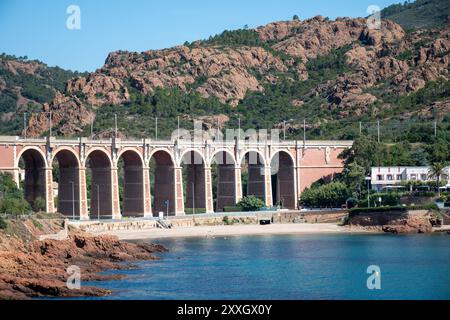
{"x": 98, "y": 202}
{"x": 193, "y": 198}
{"x": 73, "y": 200}
{"x": 167, "y": 210}
{"x": 368, "y": 192}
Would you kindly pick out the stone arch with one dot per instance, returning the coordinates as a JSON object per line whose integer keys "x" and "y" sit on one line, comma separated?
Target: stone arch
{"x": 68, "y": 182}
{"x": 229, "y": 156}
{"x": 193, "y": 164}
{"x": 253, "y": 174}
{"x": 199, "y": 156}
{"x": 283, "y": 179}
{"x": 132, "y": 182}
{"x": 134, "y": 151}
{"x": 163, "y": 188}
{"x": 223, "y": 170}
{"x": 35, "y": 165}
{"x": 102, "y": 150}
{"x": 99, "y": 162}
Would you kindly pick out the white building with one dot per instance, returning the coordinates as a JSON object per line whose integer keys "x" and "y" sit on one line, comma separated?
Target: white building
{"x": 383, "y": 177}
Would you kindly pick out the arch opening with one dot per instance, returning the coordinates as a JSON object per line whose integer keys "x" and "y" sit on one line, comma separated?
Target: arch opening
{"x": 66, "y": 184}
{"x": 98, "y": 171}
{"x": 131, "y": 184}
{"x": 162, "y": 177}
{"x": 194, "y": 185}
{"x": 283, "y": 180}
{"x": 32, "y": 165}
{"x": 223, "y": 181}
{"x": 253, "y": 175}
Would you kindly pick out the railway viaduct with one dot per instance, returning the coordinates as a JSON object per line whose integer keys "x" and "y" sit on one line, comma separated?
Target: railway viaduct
{"x": 203, "y": 174}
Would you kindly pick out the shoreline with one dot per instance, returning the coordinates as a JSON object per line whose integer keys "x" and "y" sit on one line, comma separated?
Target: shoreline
{"x": 231, "y": 230}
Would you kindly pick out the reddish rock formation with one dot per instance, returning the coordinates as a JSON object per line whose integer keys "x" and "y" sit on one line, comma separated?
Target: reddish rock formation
{"x": 419, "y": 221}
{"x": 39, "y": 268}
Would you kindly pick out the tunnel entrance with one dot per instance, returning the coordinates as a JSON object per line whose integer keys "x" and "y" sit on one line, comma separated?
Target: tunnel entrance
{"x": 224, "y": 180}
{"x": 32, "y": 164}
{"x": 66, "y": 176}
{"x": 162, "y": 177}
{"x": 253, "y": 175}
{"x": 131, "y": 184}
{"x": 194, "y": 183}
{"x": 283, "y": 181}
{"x": 98, "y": 171}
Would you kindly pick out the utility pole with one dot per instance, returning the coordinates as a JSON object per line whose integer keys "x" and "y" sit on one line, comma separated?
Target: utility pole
{"x": 284, "y": 130}
{"x": 25, "y": 125}
{"x": 92, "y": 129}
{"x": 378, "y": 130}
{"x": 73, "y": 200}
{"x": 435, "y": 128}
{"x": 193, "y": 198}
{"x": 239, "y": 128}
{"x": 98, "y": 202}
{"x": 115, "y": 126}
{"x": 178, "y": 128}
{"x": 360, "y": 128}
{"x": 50, "y": 124}
{"x": 304, "y": 132}
{"x": 156, "y": 128}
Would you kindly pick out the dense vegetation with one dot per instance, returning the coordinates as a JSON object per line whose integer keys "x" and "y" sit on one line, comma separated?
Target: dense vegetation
{"x": 418, "y": 14}
{"x": 11, "y": 197}
{"x": 32, "y": 88}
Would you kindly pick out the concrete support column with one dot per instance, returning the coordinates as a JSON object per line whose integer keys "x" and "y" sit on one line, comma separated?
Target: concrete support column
{"x": 268, "y": 185}
{"x": 238, "y": 182}
{"x": 179, "y": 199}
{"x": 208, "y": 191}
{"x": 49, "y": 203}
{"x": 147, "y": 193}
{"x": 84, "y": 213}
{"x": 115, "y": 194}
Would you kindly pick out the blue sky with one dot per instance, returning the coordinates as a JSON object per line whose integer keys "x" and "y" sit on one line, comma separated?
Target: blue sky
{"x": 37, "y": 29}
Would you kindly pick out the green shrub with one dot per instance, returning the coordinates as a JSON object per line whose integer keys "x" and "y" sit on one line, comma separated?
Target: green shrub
{"x": 227, "y": 221}
{"x": 3, "y": 224}
{"x": 14, "y": 206}
{"x": 250, "y": 203}
{"x": 356, "y": 211}
{"x": 39, "y": 204}
{"x": 333, "y": 194}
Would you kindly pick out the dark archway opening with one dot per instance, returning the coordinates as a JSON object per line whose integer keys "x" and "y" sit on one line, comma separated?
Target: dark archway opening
{"x": 283, "y": 181}
{"x": 66, "y": 175}
{"x": 131, "y": 184}
{"x": 98, "y": 169}
{"x": 162, "y": 177}
{"x": 194, "y": 183}
{"x": 32, "y": 164}
{"x": 253, "y": 175}
{"x": 224, "y": 181}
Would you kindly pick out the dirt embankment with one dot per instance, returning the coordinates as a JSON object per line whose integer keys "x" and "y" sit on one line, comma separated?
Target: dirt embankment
{"x": 32, "y": 268}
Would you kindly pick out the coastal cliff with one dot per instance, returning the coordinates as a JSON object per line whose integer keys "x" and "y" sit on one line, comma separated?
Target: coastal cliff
{"x": 30, "y": 267}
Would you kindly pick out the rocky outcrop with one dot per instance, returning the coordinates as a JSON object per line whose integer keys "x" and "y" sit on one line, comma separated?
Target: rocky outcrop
{"x": 40, "y": 268}
{"x": 417, "y": 221}
{"x": 69, "y": 113}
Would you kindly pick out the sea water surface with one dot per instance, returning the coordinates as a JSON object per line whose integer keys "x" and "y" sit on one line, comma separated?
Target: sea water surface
{"x": 291, "y": 267}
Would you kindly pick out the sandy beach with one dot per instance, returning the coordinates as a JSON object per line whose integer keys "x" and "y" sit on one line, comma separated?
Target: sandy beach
{"x": 233, "y": 230}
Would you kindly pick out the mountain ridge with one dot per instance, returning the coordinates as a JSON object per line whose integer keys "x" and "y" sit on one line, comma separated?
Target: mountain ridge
{"x": 318, "y": 68}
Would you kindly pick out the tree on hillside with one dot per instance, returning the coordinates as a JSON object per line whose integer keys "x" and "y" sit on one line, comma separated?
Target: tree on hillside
{"x": 365, "y": 152}
{"x": 295, "y": 17}
{"x": 436, "y": 172}
{"x": 353, "y": 177}
{"x": 438, "y": 151}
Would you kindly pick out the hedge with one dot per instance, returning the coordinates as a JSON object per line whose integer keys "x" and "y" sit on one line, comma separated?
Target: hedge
{"x": 197, "y": 210}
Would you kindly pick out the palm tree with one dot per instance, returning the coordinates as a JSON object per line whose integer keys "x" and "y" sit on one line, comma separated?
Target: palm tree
{"x": 436, "y": 172}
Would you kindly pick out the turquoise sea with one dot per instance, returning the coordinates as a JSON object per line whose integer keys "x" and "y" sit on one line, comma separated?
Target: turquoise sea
{"x": 292, "y": 267}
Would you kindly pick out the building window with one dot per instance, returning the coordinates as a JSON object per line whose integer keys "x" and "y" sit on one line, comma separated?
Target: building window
{"x": 390, "y": 177}
{"x": 423, "y": 177}
{"x": 413, "y": 176}
{"x": 399, "y": 177}
{"x": 379, "y": 177}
